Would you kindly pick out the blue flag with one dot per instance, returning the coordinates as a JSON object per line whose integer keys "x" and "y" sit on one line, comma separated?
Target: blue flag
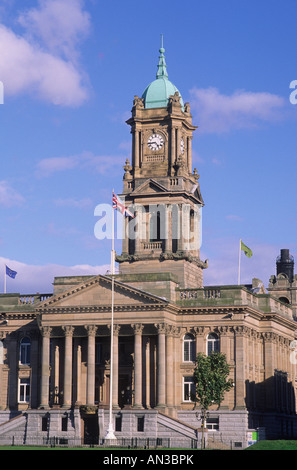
{"x": 10, "y": 272}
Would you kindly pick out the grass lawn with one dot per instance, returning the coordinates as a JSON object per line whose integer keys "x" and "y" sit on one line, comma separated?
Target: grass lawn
{"x": 261, "y": 445}
{"x": 274, "y": 445}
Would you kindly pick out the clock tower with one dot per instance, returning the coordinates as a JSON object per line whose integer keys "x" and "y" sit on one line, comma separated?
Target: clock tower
{"x": 161, "y": 187}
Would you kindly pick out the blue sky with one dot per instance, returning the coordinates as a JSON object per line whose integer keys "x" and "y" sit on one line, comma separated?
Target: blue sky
{"x": 70, "y": 70}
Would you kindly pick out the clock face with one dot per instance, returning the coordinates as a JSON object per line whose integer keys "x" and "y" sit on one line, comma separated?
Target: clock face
{"x": 155, "y": 142}
{"x": 182, "y": 145}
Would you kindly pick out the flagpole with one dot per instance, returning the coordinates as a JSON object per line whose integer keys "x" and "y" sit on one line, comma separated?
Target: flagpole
{"x": 4, "y": 279}
{"x": 110, "y": 431}
{"x": 239, "y": 262}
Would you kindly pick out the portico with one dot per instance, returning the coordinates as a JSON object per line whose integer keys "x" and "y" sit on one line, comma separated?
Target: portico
{"x": 76, "y": 358}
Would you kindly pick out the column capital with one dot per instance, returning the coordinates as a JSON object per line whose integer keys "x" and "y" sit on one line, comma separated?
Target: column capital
{"x": 45, "y": 331}
{"x": 172, "y": 330}
{"x": 68, "y": 330}
{"x": 137, "y": 327}
{"x": 161, "y": 327}
{"x": 91, "y": 329}
{"x": 116, "y": 329}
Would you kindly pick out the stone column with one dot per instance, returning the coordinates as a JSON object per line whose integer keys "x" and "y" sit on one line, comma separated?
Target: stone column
{"x": 45, "y": 366}
{"x": 240, "y": 372}
{"x": 136, "y": 148}
{"x": 169, "y": 366}
{"x": 270, "y": 366}
{"x": 147, "y": 374}
{"x": 180, "y": 241}
{"x": 161, "y": 368}
{"x": 173, "y": 148}
{"x": 227, "y": 348}
{"x": 68, "y": 331}
{"x": 78, "y": 375}
{"x": 115, "y": 369}
{"x": 189, "y": 151}
{"x": 91, "y": 329}
{"x": 137, "y": 235}
{"x": 125, "y": 244}
{"x": 137, "y": 365}
{"x": 200, "y": 343}
{"x": 13, "y": 355}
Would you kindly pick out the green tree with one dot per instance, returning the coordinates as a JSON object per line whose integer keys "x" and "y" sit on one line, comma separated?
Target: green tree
{"x": 211, "y": 382}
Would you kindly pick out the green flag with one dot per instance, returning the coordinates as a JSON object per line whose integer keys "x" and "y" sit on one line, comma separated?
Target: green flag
{"x": 247, "y": 251}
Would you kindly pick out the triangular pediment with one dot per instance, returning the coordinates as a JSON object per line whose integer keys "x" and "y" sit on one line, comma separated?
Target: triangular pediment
{"x": 97, "y": 291}
{"x": 150, "y": 186}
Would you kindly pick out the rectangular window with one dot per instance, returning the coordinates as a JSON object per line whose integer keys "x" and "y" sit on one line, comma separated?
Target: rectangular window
{"x": 189, "y": 389}
{"x": 64, "y": 423}
{"x": 44, "y": 423}
{"x": 212, "y": 424}
{"x": 118, "y": 423}
{"x": 140, "y": 423}
{"x": 24, "y": 391}
{"x": 186, "y": 351}
{"x": 189, "y": 348}
{"x": 25, "y": 353}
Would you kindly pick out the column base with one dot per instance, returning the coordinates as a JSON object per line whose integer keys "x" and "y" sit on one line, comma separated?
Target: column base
{"x": 161, "y": 407}
{"x": 137, "y": 407}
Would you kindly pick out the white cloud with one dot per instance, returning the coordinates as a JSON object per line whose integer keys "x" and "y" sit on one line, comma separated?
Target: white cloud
{"x": 218, "y": 113}
{"x": 59, "y": 24}
{"x": 48, "y": 166}
{"x": 42, "y": 61}
{"x": 8, "y": 196}
{"x": 86, "y": 160}
{"x": 31, "y": 279}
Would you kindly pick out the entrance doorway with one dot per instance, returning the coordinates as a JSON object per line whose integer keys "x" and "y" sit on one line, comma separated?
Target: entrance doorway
{"x": 91, "y": 429}
{"x": 125, "y": 390}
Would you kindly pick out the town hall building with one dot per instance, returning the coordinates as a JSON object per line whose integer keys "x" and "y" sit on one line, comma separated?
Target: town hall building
{"x": 56, "y": 360}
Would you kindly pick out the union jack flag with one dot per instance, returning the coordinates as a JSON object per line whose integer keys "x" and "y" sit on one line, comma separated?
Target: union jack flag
{"x": 117, "y": 204}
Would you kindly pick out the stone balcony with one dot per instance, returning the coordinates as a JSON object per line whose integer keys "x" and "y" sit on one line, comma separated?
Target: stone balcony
{"x": 20, "y": 302}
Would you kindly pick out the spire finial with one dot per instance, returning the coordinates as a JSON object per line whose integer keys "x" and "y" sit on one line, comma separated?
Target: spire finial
{"x": 162, "y": 67}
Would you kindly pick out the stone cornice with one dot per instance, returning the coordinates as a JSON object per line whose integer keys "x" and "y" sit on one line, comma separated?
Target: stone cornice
{"x": 100, "y": 308}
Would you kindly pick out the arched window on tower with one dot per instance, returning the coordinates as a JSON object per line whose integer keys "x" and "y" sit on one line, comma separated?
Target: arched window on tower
{"x": 213, "y": 343}
{"x": 189, "y": 348}
{"x": 25, "y": 351}
{"x": 285, "y": 300}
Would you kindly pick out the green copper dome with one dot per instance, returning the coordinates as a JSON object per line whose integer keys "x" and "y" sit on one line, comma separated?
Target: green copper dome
{"x": 156, "y": 94}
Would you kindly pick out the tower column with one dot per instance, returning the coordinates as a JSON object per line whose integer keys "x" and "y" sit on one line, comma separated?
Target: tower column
{"x": 180, "y": 241}
{"x": 189, "y": 150}
{"x": 168, "y": 229}
{"x": 136, "y": 146}
{"x": 173, "y": 149}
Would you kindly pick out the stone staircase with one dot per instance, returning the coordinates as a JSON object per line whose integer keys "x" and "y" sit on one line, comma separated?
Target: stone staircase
{"x": 13, "y": 429}
{"x": 176, "y": 430}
